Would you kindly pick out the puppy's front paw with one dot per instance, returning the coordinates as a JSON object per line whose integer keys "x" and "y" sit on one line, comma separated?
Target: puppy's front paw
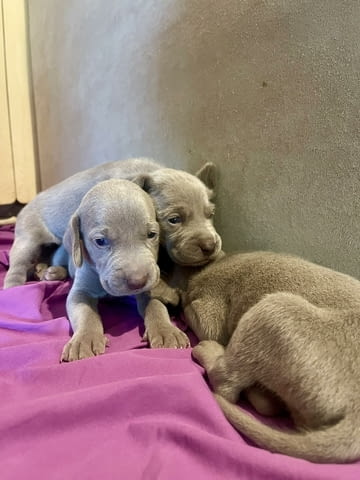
{"x": 84, "y": 345}
{"x": 167, "y": 336}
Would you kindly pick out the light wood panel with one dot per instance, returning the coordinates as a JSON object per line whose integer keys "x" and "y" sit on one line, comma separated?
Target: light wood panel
{"x": 18, "y": 88}
{"x": 7, "y": 180}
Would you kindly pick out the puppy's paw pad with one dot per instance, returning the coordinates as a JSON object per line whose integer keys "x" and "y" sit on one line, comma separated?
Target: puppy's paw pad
{"x": 169, "y": 337}
{"x": 177, "y": 339}
{"x": 40, "y": 270}
{"x": 99, "y": 345}
{"x": 55, "y": 273}
{"x": 207, "y": 352}
{"x": 82, "y": 346}
{"x": 198, "y": 353}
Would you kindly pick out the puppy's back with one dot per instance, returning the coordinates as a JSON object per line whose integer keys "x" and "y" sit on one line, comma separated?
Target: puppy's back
{"x": 64, "y": 197}
{"x": 246, "y": 277}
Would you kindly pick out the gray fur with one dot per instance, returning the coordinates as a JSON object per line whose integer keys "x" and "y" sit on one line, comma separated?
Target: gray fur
{"x": 193, "y": 241}
{"x": 293, "y": 329}
{"x": 122, "y": 215}
{"x": 45, "y": 219}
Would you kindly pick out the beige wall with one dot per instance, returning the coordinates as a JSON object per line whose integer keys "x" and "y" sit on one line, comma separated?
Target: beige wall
{"x": 268, "y": 90}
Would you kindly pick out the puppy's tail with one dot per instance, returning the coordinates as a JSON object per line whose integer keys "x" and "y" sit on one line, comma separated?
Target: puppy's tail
{"x": 338, "y": 443}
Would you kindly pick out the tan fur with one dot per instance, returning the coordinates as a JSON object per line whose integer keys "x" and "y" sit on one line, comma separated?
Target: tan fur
{"x": 293, "y": 328}
{"x": 191, "y": 203}
{"x": 189, "y": 245}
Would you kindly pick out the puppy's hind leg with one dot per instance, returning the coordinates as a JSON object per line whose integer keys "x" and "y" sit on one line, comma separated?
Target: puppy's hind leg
{"x": 26, "y": 251}
{"x": 207, "y": 353}
{"x": 50, "y": 273}
{"x": 266, "y": 403}
{"x": 58, "y": 268}
{"x": 23, "y": 255}
{"x": 223, "y": 380}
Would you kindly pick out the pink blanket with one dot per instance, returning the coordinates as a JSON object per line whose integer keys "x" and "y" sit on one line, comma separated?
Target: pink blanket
{"x": 132, "y": 413}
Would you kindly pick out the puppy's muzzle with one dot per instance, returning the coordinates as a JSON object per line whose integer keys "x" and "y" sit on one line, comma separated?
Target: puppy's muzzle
{"x": 208, "y": 246}
{"x": 137, "y": 281}
{"x": 126, "y": 281}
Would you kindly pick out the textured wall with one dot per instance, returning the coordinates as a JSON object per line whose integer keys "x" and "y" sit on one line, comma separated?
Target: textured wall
{"x": 267, "y": 89}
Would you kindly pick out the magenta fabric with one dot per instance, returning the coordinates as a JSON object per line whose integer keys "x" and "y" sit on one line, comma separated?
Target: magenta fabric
{"x": 132, "y": 413}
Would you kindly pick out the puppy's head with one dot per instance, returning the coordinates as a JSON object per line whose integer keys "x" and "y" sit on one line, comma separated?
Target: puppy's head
{"x": 116, "y": 232}
{"x": 185, "y": 213}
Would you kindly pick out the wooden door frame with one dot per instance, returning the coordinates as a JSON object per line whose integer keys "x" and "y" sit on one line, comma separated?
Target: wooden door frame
{"x": 19, "y": 98}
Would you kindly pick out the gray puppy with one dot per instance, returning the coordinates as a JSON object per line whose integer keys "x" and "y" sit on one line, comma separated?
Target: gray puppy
{"x": 44, "y": 220}
{"x": 113, "y": 238}
{"x": 184, "y": 211}
{"x": 291, "y": 328}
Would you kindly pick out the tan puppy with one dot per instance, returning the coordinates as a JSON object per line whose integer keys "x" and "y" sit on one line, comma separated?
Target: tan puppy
{"x": 293, "y": 328}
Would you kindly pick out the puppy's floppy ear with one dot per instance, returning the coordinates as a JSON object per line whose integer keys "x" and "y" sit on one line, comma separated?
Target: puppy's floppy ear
{"x": 72, "y": 241}
{"x": 144, "y": 180}
{"x": 208, "y": 175}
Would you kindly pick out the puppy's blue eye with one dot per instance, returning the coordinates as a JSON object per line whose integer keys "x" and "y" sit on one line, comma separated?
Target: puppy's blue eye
{"x": 174, "y": 220}
{"x": 102, "y": 242}
{"x": 151, "y": 235}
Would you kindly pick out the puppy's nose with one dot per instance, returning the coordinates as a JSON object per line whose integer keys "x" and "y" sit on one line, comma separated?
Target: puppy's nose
{"x": 135, "y": 282}
{"x": 208, "y": 246}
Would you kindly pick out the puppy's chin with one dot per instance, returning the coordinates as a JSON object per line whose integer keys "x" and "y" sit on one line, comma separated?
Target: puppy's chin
{"x": 191, "y": 258}
{"x": 122, "y": 291}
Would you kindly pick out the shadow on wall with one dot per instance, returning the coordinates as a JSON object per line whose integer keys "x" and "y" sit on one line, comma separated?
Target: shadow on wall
{"x": 269, "y": 92}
